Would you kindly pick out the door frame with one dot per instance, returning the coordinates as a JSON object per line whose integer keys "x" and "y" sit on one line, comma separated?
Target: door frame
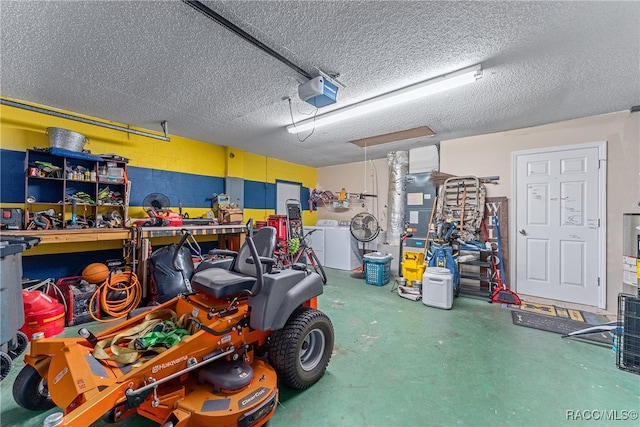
{"x": 602, "y": 210}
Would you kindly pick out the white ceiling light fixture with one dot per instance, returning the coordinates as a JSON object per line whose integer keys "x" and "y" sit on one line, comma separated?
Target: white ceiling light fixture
{"x": 389, "y": 99}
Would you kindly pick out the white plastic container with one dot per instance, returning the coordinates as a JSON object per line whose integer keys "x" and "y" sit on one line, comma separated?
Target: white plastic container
{"x": 437, "y": 287}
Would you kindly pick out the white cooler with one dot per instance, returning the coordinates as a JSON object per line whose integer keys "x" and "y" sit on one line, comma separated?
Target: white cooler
{"x": 437, "y": 287}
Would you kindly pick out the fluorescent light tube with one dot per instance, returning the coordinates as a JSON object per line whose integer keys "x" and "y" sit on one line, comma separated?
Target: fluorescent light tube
{"x": 409, "y": 93}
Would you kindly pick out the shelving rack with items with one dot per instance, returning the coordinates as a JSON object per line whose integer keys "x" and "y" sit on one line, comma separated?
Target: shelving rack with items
{"x": 474, "y": 269}
{"x": 68, "y": 190}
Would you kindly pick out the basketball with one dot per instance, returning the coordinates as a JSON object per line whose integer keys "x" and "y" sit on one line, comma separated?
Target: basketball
{"x": 95, "y": 273}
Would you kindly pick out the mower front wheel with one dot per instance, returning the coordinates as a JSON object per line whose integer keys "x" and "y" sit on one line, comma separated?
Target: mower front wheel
{"x": 300, "y": 352}
{"x": 30, "y": 390}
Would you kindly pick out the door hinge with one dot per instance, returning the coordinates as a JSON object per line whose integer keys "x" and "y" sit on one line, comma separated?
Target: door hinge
{"x": 598, "y": 222}
{"x": 598, "y": 282}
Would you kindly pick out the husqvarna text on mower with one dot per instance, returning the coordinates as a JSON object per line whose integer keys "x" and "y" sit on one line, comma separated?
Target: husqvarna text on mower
{"x": 249, "y": 327}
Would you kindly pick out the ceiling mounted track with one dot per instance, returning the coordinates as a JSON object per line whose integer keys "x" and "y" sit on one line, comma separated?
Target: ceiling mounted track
{"x": 80, "y": 119}
{"x": 246, "y": 36}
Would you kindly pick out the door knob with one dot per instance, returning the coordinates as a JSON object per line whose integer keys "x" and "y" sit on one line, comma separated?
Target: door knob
{"x": 524, "y": 233}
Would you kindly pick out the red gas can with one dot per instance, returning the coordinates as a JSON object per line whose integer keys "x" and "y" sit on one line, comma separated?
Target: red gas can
{"x": 41, "y": 314}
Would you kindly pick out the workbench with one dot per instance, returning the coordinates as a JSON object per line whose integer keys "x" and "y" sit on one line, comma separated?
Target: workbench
{"x": 196, "y": 230}
{"x": 139, "y": 239}
{"x": 74, "y": 236}
{"x": 106, "y": 234}
{"x": 142, "y": 237}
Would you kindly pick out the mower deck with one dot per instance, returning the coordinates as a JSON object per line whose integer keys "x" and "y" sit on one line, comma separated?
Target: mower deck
{"x": 206, "y": 358}
{"x": 165, "y": 387}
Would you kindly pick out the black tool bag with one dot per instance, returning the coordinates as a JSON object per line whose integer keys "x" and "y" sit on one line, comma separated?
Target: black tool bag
{"x": 170, "y": 277}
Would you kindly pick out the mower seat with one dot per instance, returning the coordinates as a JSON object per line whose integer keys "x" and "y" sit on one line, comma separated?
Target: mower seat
{"x": 242, "y": 276}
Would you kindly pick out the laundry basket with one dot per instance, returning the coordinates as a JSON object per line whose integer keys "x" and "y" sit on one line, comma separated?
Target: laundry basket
{"x": 377, "y": 268}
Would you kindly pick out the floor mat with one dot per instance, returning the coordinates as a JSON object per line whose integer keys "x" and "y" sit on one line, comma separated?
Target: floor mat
{"x": 561, "y": 312}
{"x": 558, "y": 325}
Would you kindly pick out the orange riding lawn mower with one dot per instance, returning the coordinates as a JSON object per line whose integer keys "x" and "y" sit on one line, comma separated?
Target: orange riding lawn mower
{"x": 240, "y": 327}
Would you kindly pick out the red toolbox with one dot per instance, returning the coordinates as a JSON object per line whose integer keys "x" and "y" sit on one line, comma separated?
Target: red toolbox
{"x": 77, "y": 295}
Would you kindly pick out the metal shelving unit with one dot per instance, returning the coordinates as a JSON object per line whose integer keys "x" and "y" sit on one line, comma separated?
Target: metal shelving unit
{"x": 51, "y": 187}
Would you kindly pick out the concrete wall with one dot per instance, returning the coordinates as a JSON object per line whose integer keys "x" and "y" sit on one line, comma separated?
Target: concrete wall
{"x": 186, "y": 163}
{"x": 187, "y": 171}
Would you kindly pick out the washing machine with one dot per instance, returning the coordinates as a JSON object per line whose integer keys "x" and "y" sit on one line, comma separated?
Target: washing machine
{"x": 342, "y": 250}
{"x": 318, "y": 237}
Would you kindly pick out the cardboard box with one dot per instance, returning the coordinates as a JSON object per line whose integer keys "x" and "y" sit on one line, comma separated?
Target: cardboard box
{"x": 230, "y": 216}
{"x": 235, "y": 215}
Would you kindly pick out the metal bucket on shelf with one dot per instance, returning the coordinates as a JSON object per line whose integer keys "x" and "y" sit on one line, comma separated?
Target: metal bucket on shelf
{"x": 66, "y": 139}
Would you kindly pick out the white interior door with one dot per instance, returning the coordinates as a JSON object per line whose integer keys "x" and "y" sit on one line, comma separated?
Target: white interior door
{"x": 557, "y": 221}
{"x": 284, "y": 192}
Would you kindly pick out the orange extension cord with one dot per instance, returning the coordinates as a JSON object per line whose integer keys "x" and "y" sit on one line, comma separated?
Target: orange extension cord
{"x": 126, "y": 282}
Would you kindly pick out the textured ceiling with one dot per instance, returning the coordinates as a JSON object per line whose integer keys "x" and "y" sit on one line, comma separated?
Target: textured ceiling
{"x": 142, "y": 62}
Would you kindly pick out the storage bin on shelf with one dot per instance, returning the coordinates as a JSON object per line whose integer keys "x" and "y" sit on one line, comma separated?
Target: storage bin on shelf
{"x": 377, "y": 268}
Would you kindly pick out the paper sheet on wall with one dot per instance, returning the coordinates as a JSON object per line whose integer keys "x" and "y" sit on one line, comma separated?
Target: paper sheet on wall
{"x": 414, "y": 199}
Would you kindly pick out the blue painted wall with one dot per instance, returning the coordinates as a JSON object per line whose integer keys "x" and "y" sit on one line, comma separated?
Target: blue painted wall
{"x": 12, "y": 176}
{"x": 189, "y": 189}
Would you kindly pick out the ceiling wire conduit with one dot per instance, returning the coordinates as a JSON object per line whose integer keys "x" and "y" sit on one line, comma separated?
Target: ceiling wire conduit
{"x": 85, "y": 120}
{"x": 246, "y": 36}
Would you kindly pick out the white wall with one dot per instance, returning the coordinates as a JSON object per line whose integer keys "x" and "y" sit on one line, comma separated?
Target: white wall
{"x": 491, "y": 155}
{"x": 488, "y": 155}
{"x": 371, "y": 177}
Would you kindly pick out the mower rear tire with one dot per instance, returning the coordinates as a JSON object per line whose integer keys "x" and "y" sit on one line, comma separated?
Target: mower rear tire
{"x": 301, "y": 350}
{"x": 30, "y": 390}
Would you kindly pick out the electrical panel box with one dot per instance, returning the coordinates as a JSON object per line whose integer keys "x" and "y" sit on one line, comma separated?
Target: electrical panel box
{"x": 421, "y": 194}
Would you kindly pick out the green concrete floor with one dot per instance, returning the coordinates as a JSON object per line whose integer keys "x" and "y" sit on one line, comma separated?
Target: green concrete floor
{"x": 400, "y": 363}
